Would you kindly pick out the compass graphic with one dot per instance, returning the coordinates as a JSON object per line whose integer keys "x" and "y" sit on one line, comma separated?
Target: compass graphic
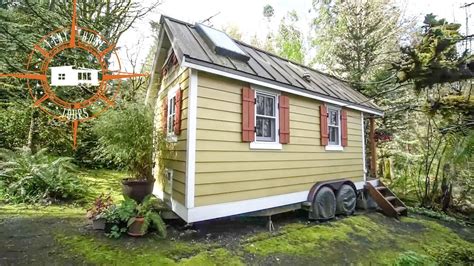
{"x": 65, "y": 90}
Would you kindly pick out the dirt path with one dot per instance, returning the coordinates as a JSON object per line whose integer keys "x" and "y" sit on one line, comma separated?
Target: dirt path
{"x": 365, "y": 238}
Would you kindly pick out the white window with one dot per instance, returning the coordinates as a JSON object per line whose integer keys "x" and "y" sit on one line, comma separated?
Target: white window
{"x": 171, "y": 115}
{"x": 334, "y": 128}
{"x": 266, "y": 121}
{"x": 61, "y": 76}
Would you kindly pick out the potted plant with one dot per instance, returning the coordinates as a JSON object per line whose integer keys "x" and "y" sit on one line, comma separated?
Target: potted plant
{"x": 116, "y": 217}
{"x": 126, "y": 138}
{"x": 146, "y": 216}
{"x": 97, "y": 212}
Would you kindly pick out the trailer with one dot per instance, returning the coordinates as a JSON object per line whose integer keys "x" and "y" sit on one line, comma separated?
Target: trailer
{"x": 251, "y": 132}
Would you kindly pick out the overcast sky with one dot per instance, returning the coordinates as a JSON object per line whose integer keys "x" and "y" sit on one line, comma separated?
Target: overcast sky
{"x": 247, "y": 16}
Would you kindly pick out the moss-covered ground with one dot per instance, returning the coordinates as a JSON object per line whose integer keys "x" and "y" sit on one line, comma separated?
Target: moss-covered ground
{"x": 60, "y": 235}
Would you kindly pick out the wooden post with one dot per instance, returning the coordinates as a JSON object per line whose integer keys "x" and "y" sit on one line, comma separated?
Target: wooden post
{"x": 373, "y": 151}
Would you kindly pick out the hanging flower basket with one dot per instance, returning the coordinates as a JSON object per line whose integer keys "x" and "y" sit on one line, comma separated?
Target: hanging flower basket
{"x": 382, "y": 135}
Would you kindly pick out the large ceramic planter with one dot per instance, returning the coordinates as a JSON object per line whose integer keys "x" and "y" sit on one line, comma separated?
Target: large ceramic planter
{"x": 135, "y": 229}
{"x": 98, "y": 224}
{"x": 137, "y": 189}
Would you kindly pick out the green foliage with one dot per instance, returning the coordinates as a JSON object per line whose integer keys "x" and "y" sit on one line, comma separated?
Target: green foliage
{"x": 126, "y": 139}
{"x": 14, "y": 122}
{"x": 434, "y": 58}
{"x": 356, "y": 39}
{"x": 412, "y": 258}
{"x": 121, "y": 213}
{"x": 26, "y": 177}
{"x": 289, "y": 41}
{"x": 100, "y": 206}
{"x": 435, "y": 214}
{"x": 128, "y": 210}
{"x": 146, "y": 210}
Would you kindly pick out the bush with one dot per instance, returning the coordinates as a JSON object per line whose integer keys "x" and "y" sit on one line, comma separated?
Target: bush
{"x": 126, "y": 139}
{"x": 32, "y": 178}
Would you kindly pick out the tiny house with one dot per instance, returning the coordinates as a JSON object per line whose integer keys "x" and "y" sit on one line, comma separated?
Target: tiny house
{"x": 68, "y": 76}
{"x": 251, "y": 131}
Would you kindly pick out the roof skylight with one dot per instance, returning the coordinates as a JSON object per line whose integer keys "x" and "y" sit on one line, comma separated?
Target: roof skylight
{"x": 221, "y": 43}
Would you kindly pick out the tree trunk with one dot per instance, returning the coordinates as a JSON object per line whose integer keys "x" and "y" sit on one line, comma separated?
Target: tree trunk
{"x": 33, "y": 132}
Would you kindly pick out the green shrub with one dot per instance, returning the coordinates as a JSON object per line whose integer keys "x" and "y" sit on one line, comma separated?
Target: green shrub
{"x": 31, "y": 178}
{"x": 126, "y": 139}
{"x": 412, "y": 258}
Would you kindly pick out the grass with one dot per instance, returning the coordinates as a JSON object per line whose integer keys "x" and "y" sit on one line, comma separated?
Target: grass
{"x": 367, "y": 239}
{"x": 98, "y": 181}
{"x": 362, "y": 239}
{"x": 103, "y": 181}
{"x": 155, "y": 252}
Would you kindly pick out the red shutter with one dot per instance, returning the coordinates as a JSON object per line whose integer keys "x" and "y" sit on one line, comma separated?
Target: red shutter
{"x": 284, "y": 112}
{"x": 323, "y": 123}
{"x": 177, "y": 118}
{"x": 164, "y": 115}
{"x": 344, "y": 128}
{"x": 248, "y": 114}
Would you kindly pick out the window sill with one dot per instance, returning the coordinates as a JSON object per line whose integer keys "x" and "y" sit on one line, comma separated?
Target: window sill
{"x": 265, "y": 146}
{"x": 334, "y": 148}
{"x": 172, "y": 138}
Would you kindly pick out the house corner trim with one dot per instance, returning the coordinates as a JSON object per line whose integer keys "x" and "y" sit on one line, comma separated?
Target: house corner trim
{"x": 191, "y": 139}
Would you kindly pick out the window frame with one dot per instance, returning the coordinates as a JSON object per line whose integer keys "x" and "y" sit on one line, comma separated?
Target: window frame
{"x": 333, "y": 146}
{"x": 262, "y": 144}
{"x": 62, "y": 76}
{"x": 171, "y": 97}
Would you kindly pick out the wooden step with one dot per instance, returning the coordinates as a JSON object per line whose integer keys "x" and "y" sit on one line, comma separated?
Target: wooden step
{"x": 390, "y": 198}
{"x": 386, "y": 200}
{"x": 400, "y": 209}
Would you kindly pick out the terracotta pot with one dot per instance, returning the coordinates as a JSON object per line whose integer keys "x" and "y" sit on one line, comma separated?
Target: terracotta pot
{"x": 98, "y": 224}
{"x": 137, "y": 189}
{"x": 135, "y": 229}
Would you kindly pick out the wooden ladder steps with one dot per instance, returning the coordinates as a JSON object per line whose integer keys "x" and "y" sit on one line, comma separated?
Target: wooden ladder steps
{"x": 388, "y": 202}
{"x": 390, "y": 198}
{"x": 400, "y": 209}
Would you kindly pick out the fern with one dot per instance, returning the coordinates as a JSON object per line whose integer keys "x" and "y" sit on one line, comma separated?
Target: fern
{"x": 159, "y": 224}
{"x": 27, "y": 177}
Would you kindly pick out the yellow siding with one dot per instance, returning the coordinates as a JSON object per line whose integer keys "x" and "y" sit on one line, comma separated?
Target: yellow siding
{"x": 177, "y": 158}
{"x": 228, "y": 170}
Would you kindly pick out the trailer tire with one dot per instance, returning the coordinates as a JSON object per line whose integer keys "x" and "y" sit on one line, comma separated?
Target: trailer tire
{"x": 324, "y": 204}
{"x": 346, "y": 199}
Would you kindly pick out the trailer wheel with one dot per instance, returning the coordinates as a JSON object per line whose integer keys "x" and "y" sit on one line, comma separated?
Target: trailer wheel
{"x": 346, "y": 200}
{"x": 324, "y": 204}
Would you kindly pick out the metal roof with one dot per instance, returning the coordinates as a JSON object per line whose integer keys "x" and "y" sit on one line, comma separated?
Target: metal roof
{"x": 262, "y": 66}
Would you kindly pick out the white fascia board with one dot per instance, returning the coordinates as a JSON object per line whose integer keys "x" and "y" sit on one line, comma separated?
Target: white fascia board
{"x": 276, "y": 87}
{"x": 191, "y": 138}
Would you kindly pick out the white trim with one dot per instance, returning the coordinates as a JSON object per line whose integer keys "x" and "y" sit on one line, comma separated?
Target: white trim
{"x": 244, "y": 206}
{"x": 261, "y": 145}
{"x": 334, "y": 148}
{"x": 214, "y": 211}
{"x": 276, "y": 87}
{"x": 363, "y": 145}
{"x": 267, "y": 145}
{"x": 331, "y": 146}
{"x": 191, "y": 138}
{"x": 179, "y": 209}
{"x": 171, "y": 136}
